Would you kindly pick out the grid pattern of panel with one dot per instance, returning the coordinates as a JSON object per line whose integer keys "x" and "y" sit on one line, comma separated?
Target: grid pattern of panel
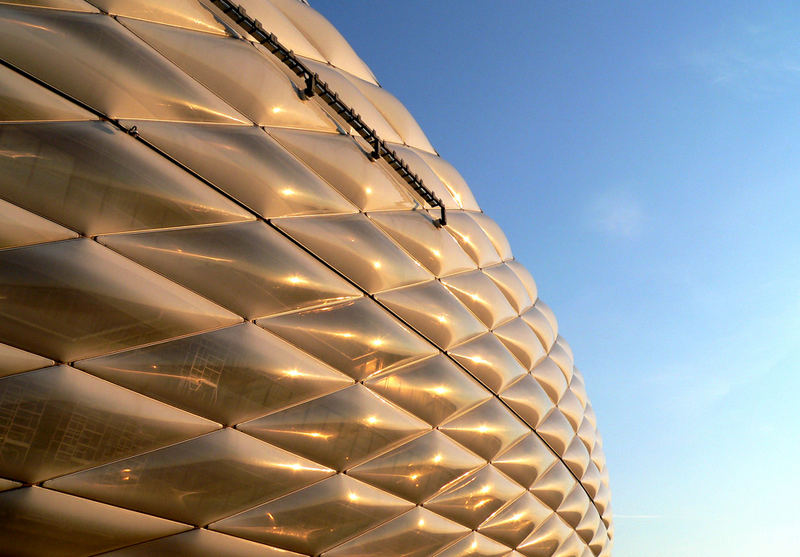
{"x": 225, "y": 331}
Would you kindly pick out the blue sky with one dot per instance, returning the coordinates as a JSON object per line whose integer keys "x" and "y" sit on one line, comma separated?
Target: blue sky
{"x": 644, "y": 161}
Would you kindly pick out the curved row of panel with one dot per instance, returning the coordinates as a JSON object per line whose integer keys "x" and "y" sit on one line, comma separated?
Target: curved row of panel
{"x": 258, "y": 331}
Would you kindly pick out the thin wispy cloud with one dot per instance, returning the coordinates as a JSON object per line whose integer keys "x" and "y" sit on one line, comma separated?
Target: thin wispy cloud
{"x": 755, "y": 60}
{"x": 618, "y": 214}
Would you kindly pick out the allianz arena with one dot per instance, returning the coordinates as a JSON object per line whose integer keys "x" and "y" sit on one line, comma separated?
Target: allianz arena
{"x": 247, "y": 310}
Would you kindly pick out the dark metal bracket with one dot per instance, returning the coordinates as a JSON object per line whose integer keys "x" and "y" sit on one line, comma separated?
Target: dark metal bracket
{"x": 316, "y": 87}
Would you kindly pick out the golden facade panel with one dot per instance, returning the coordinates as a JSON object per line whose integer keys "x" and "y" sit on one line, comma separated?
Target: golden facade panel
{"x": 354, "y": 246}
{"x": 342, "y": 163}
{"x": 95, "y": 179}
{"x": 437, "y": 250}
{"x": 250, "y": 167}
{"x": 248, "y": 268}
{"x": 108, "y": 68}
{"x": 232, "y": 327}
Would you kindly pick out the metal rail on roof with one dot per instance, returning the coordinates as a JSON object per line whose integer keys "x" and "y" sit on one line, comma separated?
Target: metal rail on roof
{"x": 314, "y": 86}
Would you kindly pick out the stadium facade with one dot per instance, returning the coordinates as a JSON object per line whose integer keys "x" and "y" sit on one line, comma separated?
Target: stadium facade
{"x": 247, "y": 310}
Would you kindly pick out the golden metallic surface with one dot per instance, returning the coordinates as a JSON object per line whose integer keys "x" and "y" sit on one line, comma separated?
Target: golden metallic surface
{"x": 201, "y": 543}
{"x": 13, "y": 360}
{"x": 342, "y": 163}
{"x": 228, "y": 331}
{"x": 19, "y": 227}
{"x": 433, "y": 389}
{"x": 38, "y": 521}
{"x": 358, "y": 338}
{"x": 358, "y": 249}
{"x": 246, "y": 267}
{"x": 437, "y": 250}
{"x": 111, "y": 184}
{"x": 482, "y": 296}
{"x": 433, "y": 311}
{"x": 249, "y": 166}
{"x": 58, "y": 420}
{"x": 197, "y": 481}
{"x": 229, "y": 375}
{"x": 108, "y": 68}
{"x": 316, "y": 518}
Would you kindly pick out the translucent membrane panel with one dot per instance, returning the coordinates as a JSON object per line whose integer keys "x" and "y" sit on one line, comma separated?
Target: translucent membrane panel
{"x": 18, "y": 227}
{"x": 418, "y": 166}
{"x": 487, "y": 429}
{"x": 36, "y": 521}
{"x": 588, "y": 413}
{"x": 349, "y": 94}
{"x": 325, "y": 38}
{"x": 356, "y": 248}
{"x": 108, "y": 68}
{"x": 472, "y": 238}
{"x": 587, "y": 434}
{"x": 487, "y": 359}
{"x": 344, "y": 165}
{"x": 527, "y": 398}
{"x": 95, "y": 179}
{"x": 589, "y": 525}
{"x": 553, "y": 486}
{"x": 229, "y": 375}
{"x": 75, "y": 299}
{"x": 418, "y": 533}
{"x": 572, "y": 547}
{"x": 395, "y": 113}
{"x": 550, "y": 378}
{"x": 418, "y": 469}
{"x": 574, "y": 506}
{"x": 338, "y": 430}
{"x": 198, "y": 481}
{"x": 75, "y": 5}
{"x": 316, "y": 518}
{"x": 22, "y": 99}
{"x": 358, "y": 338}
{"x": 266, "y": 96}
{"x": 570, "y": 405}
{"x": 562, "y": 357}
{"x": 556, "y": 431}
{"x": 188, "y": 14}
{"x": 577, "y": 386}
{"x": 511, "y": 286}
{"x": 543, "y": 322}
{"x": 452, "y": 180}
{"x": 602, "y": 500}
{"x": 525, "y": 276}
{"x": 430, "y": 245}
{"x": 5, "y": 485}
{"x": 247, "y": 164}
{"x": 521, "y": 341}
{"x": 514, "y": 522}
{"x": 481, "y": 296}
{"x": 59, "y": 420}
{"x": 433, "y": 389}
{"x": 546, "y": 539}
{"x": 275, "y": 22}
{"x": 248, "y": 267}
{"x": 576, "y": 457}
{"x": 471, "y": 500}
{"x": 433, "y": 311}
{"x": 591, "y": 480}
{"x": 495, "y": 234}
{"x": 526, "y": 460}
{"x": 476, "y": 545}
{"x": 14, "y": 360}
{"x": 201, "y": 543}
